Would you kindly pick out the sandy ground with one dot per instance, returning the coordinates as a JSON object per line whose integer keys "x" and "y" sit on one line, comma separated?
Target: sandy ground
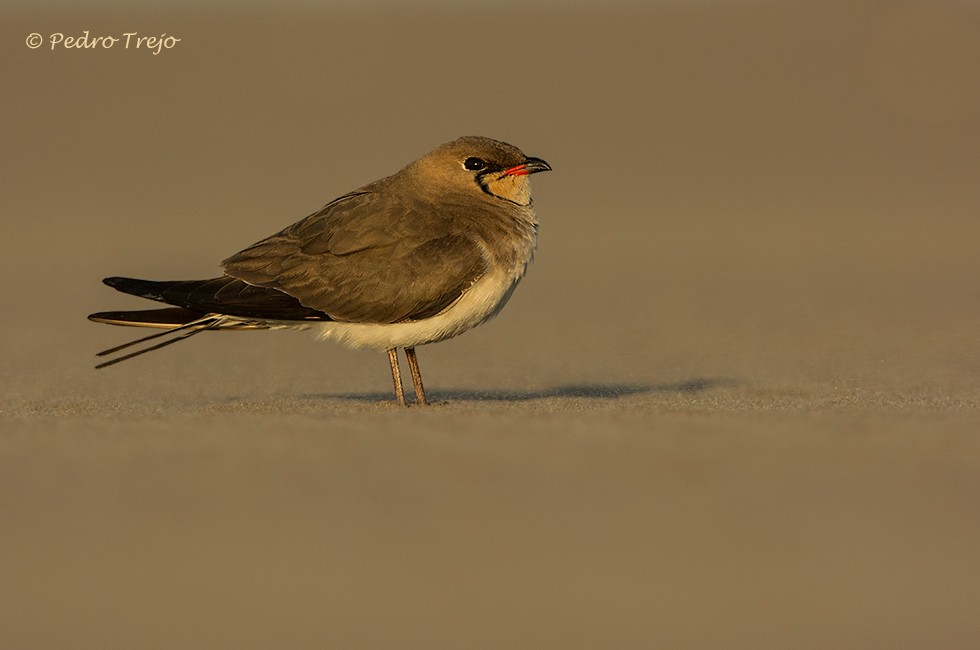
{"x": 735, "y": 404}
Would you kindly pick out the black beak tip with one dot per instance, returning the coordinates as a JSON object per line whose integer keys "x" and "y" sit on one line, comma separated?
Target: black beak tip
{"x": 535, "y": 165}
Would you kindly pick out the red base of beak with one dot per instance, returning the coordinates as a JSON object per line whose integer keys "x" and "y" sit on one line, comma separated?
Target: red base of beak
{"x": 516, "y": 171}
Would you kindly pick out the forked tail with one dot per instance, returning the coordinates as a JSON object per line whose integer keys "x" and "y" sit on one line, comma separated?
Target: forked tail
{"x": 170, "y": 319}
{"x": 218, "y": 303}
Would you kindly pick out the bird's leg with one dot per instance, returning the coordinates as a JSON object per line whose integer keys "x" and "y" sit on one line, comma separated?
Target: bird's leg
{"x": 396, "y": 375}
{"x": 413, "y": 364}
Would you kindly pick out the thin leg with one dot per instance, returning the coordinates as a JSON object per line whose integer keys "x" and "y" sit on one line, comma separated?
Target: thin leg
{"x": 396, "y": 375}
{"x": 413, "y": 364}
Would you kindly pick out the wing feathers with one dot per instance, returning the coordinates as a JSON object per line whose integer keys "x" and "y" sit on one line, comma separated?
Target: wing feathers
{"x": 225, "y": 295}
{"x": 369, "y": 258}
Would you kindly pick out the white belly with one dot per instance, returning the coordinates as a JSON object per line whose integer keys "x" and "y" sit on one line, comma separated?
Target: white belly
{"x": 478, "y": 304}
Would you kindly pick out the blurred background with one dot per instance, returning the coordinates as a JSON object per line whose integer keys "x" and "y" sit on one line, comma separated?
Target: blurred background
{"x": 733, "y": 404}
{"x": 735, "y": 173}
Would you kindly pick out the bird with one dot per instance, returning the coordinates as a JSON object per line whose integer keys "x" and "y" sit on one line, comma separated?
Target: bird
{"x": 414, "y": 258}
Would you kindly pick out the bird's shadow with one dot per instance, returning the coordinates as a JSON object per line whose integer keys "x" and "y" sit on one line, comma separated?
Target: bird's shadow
{"x": 589, "y": 391}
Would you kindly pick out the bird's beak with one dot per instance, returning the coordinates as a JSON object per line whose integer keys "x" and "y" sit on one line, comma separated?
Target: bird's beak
{"x": 529, "y": 166}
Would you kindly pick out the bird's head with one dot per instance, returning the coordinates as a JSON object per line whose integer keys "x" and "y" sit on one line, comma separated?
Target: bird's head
{"x": 480, "y": 166}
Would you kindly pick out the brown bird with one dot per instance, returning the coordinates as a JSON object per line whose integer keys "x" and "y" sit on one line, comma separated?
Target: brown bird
{"x": 414, "y": 258}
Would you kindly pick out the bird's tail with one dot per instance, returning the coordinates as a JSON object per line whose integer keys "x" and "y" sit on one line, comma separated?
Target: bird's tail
{"x": 167, "y": 318}
{"x": 198, "y": 305}
{"x": 179, "y": 324}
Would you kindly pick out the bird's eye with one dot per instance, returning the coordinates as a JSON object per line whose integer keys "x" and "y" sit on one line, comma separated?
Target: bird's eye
{"x": 474, "y": 164}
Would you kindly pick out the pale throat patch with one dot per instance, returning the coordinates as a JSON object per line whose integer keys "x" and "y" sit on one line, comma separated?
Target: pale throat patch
{"x": 513, "y": 188}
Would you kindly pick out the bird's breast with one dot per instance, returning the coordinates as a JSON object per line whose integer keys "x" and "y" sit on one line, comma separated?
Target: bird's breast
{"x": 505, "y": 264}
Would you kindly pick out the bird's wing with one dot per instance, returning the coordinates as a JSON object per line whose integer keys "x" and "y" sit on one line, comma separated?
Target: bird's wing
{"x": 367, "y": 257}
{"x": 225, "y": 295}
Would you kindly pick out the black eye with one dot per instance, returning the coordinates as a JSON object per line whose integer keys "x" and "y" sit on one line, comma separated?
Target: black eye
{"x": 474, "y": 164}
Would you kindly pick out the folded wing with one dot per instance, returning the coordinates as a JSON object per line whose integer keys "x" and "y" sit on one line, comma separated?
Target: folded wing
{"x": 225, "y": 295}
{"x": 366, "y": 257}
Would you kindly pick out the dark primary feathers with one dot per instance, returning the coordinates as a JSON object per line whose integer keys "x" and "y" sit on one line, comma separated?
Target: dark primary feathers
{"x": 224, "y": 295}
